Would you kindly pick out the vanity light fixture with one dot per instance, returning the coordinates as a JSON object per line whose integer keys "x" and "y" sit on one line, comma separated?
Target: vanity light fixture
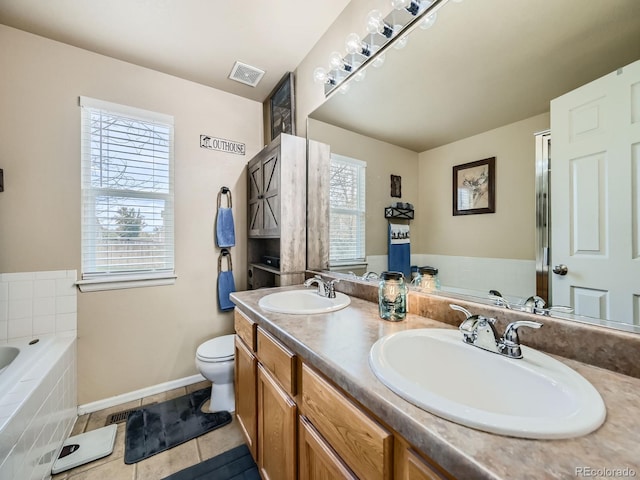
{"x": 383, "y": 32}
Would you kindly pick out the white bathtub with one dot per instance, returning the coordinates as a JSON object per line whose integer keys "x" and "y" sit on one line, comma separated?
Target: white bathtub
{"x": 37, "y": 403}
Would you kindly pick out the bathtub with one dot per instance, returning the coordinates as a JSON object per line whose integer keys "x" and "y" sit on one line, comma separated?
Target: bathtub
{"x": 37, "y": 403}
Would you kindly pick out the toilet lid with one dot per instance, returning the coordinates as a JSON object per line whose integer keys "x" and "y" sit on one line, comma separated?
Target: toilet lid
{"x": 219, "y": 349}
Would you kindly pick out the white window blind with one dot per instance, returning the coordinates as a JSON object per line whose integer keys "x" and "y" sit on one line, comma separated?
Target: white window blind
{"x": 127, "y": 192}
{"x": 347, "y": 210}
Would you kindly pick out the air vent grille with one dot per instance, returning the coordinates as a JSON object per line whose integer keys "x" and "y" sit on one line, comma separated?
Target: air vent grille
{"x": 243, "y": 73}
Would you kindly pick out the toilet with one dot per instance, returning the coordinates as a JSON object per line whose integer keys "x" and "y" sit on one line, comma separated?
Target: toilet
{"x": 214, "y": 360}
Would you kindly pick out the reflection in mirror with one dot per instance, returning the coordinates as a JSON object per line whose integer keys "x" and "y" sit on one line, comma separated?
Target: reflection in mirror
{"x": 476, "y": 85}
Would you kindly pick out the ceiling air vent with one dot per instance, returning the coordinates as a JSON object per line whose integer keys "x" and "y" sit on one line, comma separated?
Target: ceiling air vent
{"x": 243, "y": 73}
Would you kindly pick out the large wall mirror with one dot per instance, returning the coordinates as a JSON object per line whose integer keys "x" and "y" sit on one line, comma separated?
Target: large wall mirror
{"x": 477, "y": 84}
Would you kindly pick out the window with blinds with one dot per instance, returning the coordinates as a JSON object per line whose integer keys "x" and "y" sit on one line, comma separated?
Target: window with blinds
{"x": 347, "y": 210}
{"x": 127, "y": 193}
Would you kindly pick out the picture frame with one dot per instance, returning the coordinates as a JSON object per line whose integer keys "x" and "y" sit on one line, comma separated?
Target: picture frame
{"x": 474, "y": 187}
{"x": 282, "y": 107}
{"x": 396, "y": 186}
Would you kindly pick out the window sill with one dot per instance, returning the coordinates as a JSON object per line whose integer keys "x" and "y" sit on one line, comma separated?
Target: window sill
{"x": 119, "y": 282}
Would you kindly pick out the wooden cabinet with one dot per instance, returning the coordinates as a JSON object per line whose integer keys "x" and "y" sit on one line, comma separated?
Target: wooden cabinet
{"x": 264, "y": 193}
{"x": 276, "y": 430}
{"x": 316, "y": 459}
{"x": 246, "y": 405}
{"x": 298, "y": 424}
{"x": 364, "y": 445}
{"x": 276, "y": 206}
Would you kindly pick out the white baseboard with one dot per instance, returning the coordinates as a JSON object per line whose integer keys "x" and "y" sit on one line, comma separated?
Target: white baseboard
{"x": 138, "y": 394}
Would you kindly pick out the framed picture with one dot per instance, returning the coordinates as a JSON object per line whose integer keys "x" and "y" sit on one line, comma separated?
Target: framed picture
{"x": 396, "y": 186}
{"x": 474, "y": 187}
{"x": 282, "y": 107}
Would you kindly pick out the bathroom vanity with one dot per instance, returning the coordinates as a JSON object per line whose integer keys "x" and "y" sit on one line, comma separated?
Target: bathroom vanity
{"x": 310, "y": 405}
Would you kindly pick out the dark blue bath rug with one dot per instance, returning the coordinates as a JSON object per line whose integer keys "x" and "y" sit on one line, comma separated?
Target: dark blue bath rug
{"x": 156, "y": 428}
{"x": 234, "y": 464}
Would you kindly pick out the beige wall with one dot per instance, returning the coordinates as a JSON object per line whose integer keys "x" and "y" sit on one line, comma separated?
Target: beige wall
{"x": 128, "y": 339}
{"x": 383, "y": 159}
{"x": 507, "y": 233}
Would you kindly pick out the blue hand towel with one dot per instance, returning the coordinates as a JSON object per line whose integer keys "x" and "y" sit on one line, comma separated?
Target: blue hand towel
{"x": 399, "y": 259}
{"x": 225, "y": 230}
{"x": 226, "y": 285}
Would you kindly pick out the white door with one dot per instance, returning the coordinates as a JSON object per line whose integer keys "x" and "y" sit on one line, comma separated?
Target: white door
{"x": 595, "y": 197}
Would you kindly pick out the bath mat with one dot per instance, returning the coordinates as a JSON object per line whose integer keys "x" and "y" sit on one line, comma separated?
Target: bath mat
{"x": 156, "y": 428}
{"x": 234, "y": 464}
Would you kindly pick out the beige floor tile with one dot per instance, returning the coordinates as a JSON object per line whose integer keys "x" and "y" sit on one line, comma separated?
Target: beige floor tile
{"x": 164, "y": 396}
{"x": 97, "y": 419}
{"x": 114, "y": 470}
{"x": 198, "y": 386}
{"x": 168, "y": 462}
{"x": 220, "y": 440}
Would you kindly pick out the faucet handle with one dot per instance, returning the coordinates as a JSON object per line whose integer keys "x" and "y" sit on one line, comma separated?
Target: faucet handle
{"x": 511, "y": 340}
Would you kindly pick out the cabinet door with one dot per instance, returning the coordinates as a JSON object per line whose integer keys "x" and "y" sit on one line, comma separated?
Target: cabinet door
{"x": 246, "y": 398}
{"x": 271, "y": 194}
{"x": 254, "y": 200}
{"x": 418, "y": 469}
{"x": 316, "y": 459}
{"x": 277, "y": 451}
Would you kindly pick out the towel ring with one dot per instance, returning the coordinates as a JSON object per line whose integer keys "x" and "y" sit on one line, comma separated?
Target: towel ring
{"x": 227, "y": 192}
{"x": 225, "y": 253}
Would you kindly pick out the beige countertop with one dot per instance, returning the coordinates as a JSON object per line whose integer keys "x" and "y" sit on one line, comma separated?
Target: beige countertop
{"x": 337, "y": 344}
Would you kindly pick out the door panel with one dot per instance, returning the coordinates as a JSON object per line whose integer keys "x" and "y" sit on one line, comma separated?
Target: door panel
{"x": 596, "y": 221}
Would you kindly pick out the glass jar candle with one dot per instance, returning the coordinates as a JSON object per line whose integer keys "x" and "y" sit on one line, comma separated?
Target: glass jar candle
{"x": 427, "y": 279}
{"x": 392, "y": 296}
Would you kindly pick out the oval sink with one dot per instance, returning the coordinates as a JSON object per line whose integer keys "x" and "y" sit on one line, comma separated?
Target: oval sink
{"x": 302, "y": 302}
{"x": 532, "y": 397}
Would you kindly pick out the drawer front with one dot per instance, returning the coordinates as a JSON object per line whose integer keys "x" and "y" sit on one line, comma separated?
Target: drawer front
{"x": 278, "y": 360}
{"x": 245, "y": 329}
{"x": 364, "y": 445}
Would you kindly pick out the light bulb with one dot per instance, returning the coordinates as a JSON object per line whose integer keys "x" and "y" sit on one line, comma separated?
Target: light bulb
{"x": 360, "y": 75}
{"x": 400, "y": 4}
{"x": 344, "y": 88}
{"x": 354, "y": 45}
{"x": 320, "y": 75}
{"x": 379, "y": 61}
{"x": 336, "y": 61}
{"x": 401, "y": 42}
{"x": 376, "y": 24}
{"x": 428, "y": 21}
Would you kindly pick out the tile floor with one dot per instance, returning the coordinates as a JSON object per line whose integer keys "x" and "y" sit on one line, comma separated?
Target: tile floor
{"x": 158, "y": 466}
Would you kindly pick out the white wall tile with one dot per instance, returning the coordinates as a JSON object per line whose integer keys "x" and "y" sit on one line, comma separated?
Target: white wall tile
{"x": 44, "y": 324}
{"x": 4, "y": 311}
{"x": 16, "y": 277}
{"x": 50, "y": 275}
{"x": 20, "y": 309}
{"x": 4, "y": 291}
{"x": 21, "y": 327}
{"x": 21, "y": 290}
{"x": 65, "y": 286}
{"x": 4, "y": 330}
{"x": 44, "y": 306}
{"x": 44, "y": 288}
{"x": 66, "y": 322}
{"x": 66, "y": 304}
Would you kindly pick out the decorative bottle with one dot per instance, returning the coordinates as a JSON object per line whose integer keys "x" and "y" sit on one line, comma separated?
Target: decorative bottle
{"x": 392, "y": 296}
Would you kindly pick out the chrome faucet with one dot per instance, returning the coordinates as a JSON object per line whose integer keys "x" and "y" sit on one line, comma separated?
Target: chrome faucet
{"x": 370, "y": 276}
{"x": 480, "y": 332}
{"x": 326, "y": 288}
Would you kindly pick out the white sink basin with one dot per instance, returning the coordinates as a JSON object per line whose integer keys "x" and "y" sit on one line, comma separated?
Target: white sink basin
{"x": 532, "y": 397}
{"x": 302, "y": 302}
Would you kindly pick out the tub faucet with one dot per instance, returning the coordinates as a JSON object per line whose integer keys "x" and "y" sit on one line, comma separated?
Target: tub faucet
{"x": 326, "y": 288}
{"x": 480, "y": 332}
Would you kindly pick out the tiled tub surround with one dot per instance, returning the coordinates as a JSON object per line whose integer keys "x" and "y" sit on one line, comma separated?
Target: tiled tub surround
{"x": 338, "y": 344}
{"x": 37, "y": 303}
{"x": 38, "y": 404}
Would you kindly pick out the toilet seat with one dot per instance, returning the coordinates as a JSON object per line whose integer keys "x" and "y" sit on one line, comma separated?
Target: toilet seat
{"x": 219, "y": 349}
